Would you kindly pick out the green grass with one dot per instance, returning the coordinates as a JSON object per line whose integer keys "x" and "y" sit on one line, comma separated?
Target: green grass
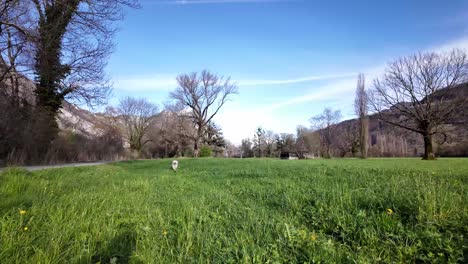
{"x": 238, "y": 211}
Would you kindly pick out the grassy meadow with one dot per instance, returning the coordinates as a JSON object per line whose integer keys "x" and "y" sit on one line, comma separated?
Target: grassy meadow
{"x": 238, "y": 211}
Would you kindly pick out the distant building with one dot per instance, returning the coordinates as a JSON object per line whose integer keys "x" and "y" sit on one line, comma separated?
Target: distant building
{"x": 288, "y": 156}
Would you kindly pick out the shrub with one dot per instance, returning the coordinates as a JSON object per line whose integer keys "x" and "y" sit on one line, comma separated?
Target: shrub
{"x": 205, "y": 151}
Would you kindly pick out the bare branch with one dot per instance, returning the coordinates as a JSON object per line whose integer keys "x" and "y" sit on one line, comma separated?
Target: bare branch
{"x": 420, "y": 93}
{"x": 134, "y": 117}
{"x": 204, "y": 95}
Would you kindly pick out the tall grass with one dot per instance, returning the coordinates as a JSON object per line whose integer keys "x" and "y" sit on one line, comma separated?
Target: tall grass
{"x": 231, "y": 211}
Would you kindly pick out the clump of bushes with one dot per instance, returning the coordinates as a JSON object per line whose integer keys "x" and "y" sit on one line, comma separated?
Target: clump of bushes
{"x": 72, "y": 147}
{"x": 206, "y": 151}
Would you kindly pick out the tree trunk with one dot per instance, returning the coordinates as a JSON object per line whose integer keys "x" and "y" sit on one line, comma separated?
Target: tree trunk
{"x": 45, "y": 129}
{"x": 364, "y": 136}
{"x": 328, "y": 154}
{"x": 428, "y": 150}
{"x": 196, "y": 150}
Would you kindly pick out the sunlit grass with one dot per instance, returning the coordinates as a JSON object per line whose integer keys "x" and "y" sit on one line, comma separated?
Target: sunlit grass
{"x": 230, "y": 211}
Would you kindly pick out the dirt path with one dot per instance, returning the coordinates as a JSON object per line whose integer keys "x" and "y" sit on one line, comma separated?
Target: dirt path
{"x": 34, "y": 168}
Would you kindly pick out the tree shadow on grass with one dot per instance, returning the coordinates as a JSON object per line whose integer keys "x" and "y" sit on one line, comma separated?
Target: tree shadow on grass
{"x": 119, "y": 249}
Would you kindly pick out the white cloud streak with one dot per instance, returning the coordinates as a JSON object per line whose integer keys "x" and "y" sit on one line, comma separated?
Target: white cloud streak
{"x": 346, "y": 87}
{"x": 168, "y": 82}
{"x": 461, "y": 43}
{"x": 292, "y": 81}
{"x": 238, "y": 122}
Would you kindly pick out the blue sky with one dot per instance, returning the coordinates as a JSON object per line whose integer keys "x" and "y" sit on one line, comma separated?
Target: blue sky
{"x": 290, "y": 58}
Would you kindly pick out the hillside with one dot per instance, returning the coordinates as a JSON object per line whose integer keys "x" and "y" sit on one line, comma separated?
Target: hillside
{"x": 384, "y": 139}
{"x": 387, "y": 140}
{"x": 81, "y": 121}
{"x": 71, "y": 116}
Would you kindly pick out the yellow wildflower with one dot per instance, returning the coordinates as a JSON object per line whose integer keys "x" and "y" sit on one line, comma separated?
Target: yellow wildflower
{"x": 313, "y": 237}
{"x": 25, "y": 228}
{"x": 22, "y": 212}
{"x": 389, "y": 211}
{"x": 164, "y": 233}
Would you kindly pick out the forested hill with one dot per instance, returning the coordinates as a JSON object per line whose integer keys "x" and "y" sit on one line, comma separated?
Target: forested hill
{"x": 386, "y": 140}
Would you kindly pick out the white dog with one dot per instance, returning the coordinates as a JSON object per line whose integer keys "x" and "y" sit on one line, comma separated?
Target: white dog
{"x": 175, "y": 164}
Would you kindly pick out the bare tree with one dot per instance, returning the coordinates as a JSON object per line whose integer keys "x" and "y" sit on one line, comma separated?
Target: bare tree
{"x": 65, "y": 43}
{"x": 361, "y": 110}
{"x": 325, "y": 125}
{"x": 259, "y": 145}
{"x": 73, "y": 42}
{"x": 232, "y": 150}
{"x": 314, "y": 143}
{"x": 420, "y": 93}
{"x": 16, "y": 96}
{"x": 347, "y": 138}
{"x": 285, "y": 142}
{"x": 134, "y": 117}
{"x": 204, "y": 94}
{"x": 246, "y": 150}
{"x": 303, "y": 142}
{"x": 270, "y": 137}
{"x": 170, "y": 134}
{"x": 173, "y": 131}
{"x": 16, "y": 27}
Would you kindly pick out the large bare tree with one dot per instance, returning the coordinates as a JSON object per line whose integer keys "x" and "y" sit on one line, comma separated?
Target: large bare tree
{"x": 270, "y": 137}
{"x": 65, "y": 44}
{"x": 346, "y": 138}
{"x": 304, "y": 142}
{"x": 73, "y": 42}
{"x": 16, "y": 30}
{"x": 325, "y": 125}
{"x": 420, "y": 93}
{"x": 134, "y": 117}
{"x": 204, "y": 94}
{"x": 259, "y": 143}
{"x": 16, "y": 94}
{"x": 361, "y": 110}
{"x": 172, "y": 133}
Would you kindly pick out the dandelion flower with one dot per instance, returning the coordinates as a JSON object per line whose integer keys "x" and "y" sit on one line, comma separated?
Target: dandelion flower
{"x": 164, "y": 233}
{"x": 22, "y": 212}
{"x": 389, "y": 211}
{"x": 25, "y": 228}
{"x": 313, "y": 237}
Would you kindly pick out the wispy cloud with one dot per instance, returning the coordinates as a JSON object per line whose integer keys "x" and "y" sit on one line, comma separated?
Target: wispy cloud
{"x": 326, "y": 92}
{"x": 461, "y": 43}
{"x": 168, "y": 82}
{"x": 291, "y": 81}
{"x": 240, "y": 122}
{"x": 339, "y": 89}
